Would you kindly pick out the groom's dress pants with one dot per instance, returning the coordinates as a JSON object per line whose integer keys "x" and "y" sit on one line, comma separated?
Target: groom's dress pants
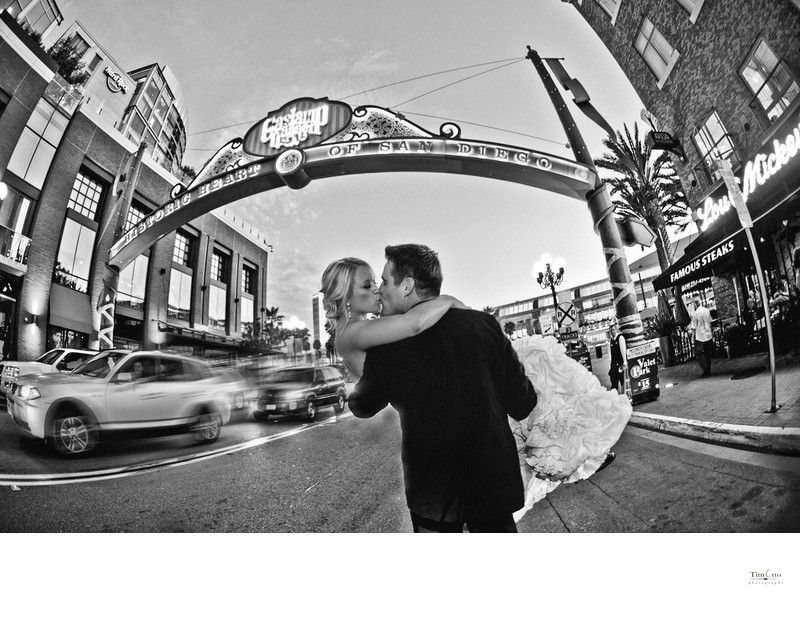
{"x": 503, "y": 523}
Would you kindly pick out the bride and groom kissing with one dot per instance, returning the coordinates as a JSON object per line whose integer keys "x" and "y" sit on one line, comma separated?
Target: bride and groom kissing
{"x": 466, "y": 399}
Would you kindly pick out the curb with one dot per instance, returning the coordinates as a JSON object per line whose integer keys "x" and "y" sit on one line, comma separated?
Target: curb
{"x": 773, "y": 440}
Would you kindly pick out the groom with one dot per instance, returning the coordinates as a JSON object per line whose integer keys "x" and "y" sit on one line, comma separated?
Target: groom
{"x": 454, "y": 386}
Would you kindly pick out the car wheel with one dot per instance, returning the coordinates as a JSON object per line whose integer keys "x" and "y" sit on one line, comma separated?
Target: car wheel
{"x": 311, "y": 411}
{"x": 207, "y": 427}
{"x": 73, "y": 434}
{"x": 340, "y": 402}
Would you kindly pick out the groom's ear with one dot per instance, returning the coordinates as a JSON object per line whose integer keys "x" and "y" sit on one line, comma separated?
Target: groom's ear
{"x": 408, "y": 286}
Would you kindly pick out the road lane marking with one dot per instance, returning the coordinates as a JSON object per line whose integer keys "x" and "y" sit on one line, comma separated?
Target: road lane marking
{"x": 41, "y": 480}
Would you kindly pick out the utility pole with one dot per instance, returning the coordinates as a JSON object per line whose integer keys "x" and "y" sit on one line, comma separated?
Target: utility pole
{"x": 599, "y": 201}
{"x": 107, "y": 300}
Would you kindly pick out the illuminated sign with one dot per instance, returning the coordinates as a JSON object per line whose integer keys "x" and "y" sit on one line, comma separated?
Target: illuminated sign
{"x": 114, "y": 81}
{"x": 704, "y": 261}
{"x": 756, "y": 173}
{"x": 300, "y": 123}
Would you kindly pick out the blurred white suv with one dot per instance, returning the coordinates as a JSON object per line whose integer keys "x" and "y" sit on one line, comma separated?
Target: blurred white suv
{"x": 142, "y": 390}
{"x": 56, "y": 360}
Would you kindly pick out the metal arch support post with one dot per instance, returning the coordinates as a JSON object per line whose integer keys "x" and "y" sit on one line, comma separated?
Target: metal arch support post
{"x": 600, "y": 206}
{"x": 120, "y": 206}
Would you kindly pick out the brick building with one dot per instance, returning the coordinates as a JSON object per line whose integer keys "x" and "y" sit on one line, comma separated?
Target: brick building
{"x": 62, "y": 149}
{"x": 723, "y": 79}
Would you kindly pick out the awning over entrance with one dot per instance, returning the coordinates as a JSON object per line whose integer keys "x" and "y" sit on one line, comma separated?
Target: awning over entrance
{"x": 694, "y": 266}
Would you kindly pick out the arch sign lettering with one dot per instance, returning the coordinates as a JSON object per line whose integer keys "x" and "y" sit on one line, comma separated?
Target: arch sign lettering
{"x": 309, "y": 139}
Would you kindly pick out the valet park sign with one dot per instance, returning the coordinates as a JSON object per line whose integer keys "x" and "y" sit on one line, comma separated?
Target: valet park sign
{"x": 309, "y": 139}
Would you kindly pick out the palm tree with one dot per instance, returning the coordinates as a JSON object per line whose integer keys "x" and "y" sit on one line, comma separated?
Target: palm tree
{"x": 645, "y": 186}
{"x": 510, "y": 328}
{"x": 273, "y": 318}
{"x": 489, "y": 310}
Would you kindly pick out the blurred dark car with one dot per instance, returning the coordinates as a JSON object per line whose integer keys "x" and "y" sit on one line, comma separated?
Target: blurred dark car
{"x": 578, "y": 351}
{"x": 301, "y": 390}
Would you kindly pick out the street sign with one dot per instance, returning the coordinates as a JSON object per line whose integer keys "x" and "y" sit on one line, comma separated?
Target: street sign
{"x": 724, "y": 168}
{"x": 567, "y": 314}
{"x": 547, "y": 323}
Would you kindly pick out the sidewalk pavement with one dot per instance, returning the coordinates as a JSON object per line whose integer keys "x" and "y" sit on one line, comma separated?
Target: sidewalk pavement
{"x": 730, "y": 407}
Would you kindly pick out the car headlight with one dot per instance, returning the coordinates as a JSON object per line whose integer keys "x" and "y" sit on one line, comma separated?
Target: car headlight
{"x": 29, "y": 392}
{"x": 294, "y": 395}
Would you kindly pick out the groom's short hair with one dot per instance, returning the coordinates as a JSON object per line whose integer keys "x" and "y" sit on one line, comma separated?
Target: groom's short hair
{"x": 420, "y": 263}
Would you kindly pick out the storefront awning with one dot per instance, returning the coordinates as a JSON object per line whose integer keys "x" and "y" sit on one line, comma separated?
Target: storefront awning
{"x": 695, "y": 266}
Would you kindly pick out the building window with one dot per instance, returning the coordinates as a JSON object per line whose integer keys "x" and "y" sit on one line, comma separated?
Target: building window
{"x": 182, "y": 252}
{"x": 180, "y": 295}
{"x": 132, "y": 282}
{"x": 14, "y": 211}
{"x": 692, "y": 8}
{"x": 74, "y": 260}
{"x": 94, "y": 63}
{"x": 656, "y": 51}
{"x": 713, "y": 142}
{"x": 248, "y": 312}
{"x": 133, "y": 217}
{"x": 85, "y": 196}
{"x": 218, "y": 267}
{"x": 37, "y": 145}
{"x": 249, "y": 280}
{"x": 770, "y": 80}
{"x": 217, "y": 306}
{"x": 611, "y": 7}
{"x": 79, "y": 44}
{"x": 58, "y": 337}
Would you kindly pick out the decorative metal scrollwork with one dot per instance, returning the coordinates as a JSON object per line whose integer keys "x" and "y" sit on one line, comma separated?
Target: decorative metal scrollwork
{"x": 450, "y": 130}
{"x": 371, "y": 122}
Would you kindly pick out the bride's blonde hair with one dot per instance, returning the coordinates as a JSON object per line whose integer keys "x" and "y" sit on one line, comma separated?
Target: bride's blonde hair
{"x": 337, "y": 286}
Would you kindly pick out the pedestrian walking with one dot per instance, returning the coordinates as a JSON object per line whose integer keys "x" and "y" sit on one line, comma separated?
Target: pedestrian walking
{"x": 616, "y": 373}
{"x": 703, "y": 337}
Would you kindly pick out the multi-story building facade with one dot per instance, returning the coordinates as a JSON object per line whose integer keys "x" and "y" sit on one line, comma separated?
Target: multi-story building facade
{"x": 62, "y": 149}
{"x": 319, "y": 332}
{"x": 723, "y": 79}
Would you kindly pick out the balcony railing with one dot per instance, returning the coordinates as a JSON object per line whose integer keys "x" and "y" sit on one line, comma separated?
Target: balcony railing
{"x": 13, "y": 245}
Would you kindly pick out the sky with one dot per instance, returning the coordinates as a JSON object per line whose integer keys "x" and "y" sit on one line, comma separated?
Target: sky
{"x": 237, "y": 60}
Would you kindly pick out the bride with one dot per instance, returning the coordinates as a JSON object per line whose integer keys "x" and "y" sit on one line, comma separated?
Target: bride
{"x": 569, "y": 434}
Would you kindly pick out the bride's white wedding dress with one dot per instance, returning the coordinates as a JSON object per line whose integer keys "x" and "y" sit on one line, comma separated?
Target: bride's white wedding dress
{"x": 573, "y": 426}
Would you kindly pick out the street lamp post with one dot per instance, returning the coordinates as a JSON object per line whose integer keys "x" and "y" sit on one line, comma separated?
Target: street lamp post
{"x": 548, "y": 279}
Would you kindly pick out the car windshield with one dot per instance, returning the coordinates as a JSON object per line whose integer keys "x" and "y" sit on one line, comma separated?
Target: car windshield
{"x": 293, "y": 376}
{"x": 48, "y": 358}
{"x": 100, "y": 365}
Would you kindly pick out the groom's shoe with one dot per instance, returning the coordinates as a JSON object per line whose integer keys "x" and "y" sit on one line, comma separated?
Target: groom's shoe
{"x": 609, "y": 459}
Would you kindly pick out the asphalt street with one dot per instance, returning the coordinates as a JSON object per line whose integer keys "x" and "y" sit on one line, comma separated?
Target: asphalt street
{"x": 344, "y": 476}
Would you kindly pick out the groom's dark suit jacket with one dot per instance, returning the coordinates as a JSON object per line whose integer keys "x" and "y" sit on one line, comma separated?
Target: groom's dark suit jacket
{"x": 454, "y": 386}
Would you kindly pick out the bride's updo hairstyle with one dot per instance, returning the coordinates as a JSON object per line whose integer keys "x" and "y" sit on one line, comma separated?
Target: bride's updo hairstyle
{"x": 337, "y": 286}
